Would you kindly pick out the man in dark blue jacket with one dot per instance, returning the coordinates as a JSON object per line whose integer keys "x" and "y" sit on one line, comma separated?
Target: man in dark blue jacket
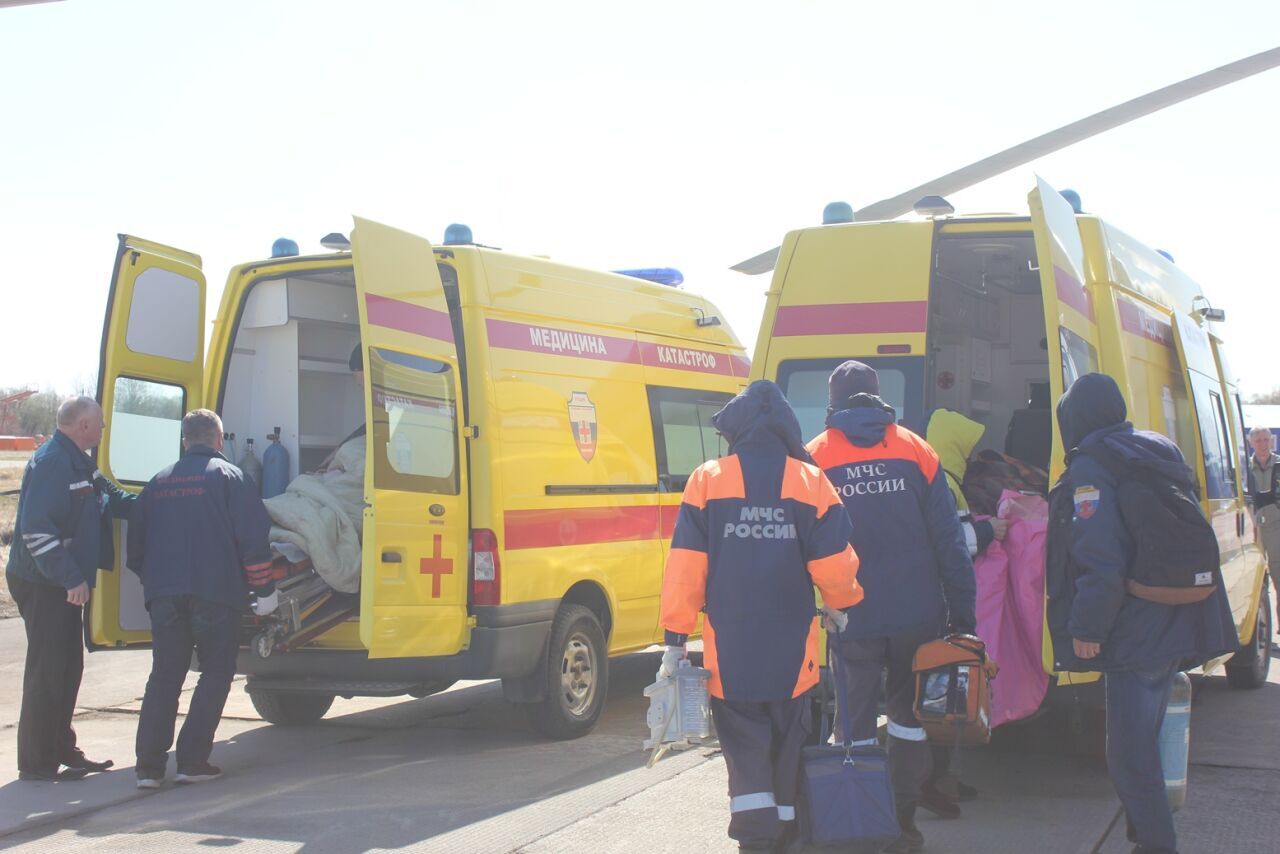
{"x": 199, "y": 533}
{"x": 61, "y": 537}
{"x": 1097, "y": 626}
{"x": 757, "y": 531}
{"x": 916, "y": 571}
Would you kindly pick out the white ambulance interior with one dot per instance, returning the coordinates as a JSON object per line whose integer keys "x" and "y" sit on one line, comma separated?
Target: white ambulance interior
{"x": 988, "y": 352}
{"x": 289, "y": 368}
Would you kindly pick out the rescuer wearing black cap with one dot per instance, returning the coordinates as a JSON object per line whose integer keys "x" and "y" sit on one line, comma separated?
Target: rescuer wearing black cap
{"x": 916, "y": 571}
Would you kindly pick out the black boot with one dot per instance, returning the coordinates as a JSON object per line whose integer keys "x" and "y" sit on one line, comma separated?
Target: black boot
{"x": 910, "y": 840}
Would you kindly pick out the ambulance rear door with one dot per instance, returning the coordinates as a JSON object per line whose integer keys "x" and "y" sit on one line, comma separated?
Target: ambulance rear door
{"x": 1216, "y": 462}
{"x": 1069, "y": 317}
{"x": 150, "y": 374}
{"x": 414, "y": 577}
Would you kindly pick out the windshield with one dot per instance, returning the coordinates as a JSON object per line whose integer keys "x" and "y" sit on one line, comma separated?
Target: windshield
{"x": 805, "y": 385}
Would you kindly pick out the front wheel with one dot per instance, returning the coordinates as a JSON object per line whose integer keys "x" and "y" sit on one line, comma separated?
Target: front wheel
{"x": 577, "y": 676}
{"x": 1249, "y": 667}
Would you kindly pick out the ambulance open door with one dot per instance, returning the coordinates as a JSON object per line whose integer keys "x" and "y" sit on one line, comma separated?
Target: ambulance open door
{"x": 1216, "y": 462}
{"x": 150, "y": 374}
{"x": 1071, "y": 329}
{"x": 414, "y": 577}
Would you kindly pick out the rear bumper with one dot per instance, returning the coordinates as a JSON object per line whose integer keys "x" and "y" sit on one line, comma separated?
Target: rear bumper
{"x": 507, "y": 641}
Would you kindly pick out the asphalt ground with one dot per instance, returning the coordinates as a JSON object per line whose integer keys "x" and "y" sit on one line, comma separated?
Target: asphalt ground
{"x": 463, "y": 772}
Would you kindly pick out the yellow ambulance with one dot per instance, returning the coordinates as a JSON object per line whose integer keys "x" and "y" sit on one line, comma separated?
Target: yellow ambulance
{"x": 531, "y": 427}
{"x": 993, "y": 316}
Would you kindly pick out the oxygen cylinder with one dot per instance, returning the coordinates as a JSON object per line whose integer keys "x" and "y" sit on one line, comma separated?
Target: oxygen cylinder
{"x": 275, "y": 467}
{"x": 1175, "y": 741}
{"x": 249, "y": 464}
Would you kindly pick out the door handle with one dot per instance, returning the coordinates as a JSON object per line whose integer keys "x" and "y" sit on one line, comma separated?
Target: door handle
{"x": 392, "y": 557}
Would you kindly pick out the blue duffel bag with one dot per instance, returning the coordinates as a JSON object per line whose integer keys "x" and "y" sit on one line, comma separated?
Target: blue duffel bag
{"x": 845, "y": 793}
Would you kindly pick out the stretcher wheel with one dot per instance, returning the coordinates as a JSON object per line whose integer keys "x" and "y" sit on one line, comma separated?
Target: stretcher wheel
{"x": 263, "y": 643}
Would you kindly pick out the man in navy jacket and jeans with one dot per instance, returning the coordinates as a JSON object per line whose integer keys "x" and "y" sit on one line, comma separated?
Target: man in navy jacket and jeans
{"x": 198, "y": 534}
{"x": 1097, "y": 626}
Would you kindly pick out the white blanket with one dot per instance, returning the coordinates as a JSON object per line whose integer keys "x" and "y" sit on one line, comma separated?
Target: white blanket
{"x": 321, "y": 514}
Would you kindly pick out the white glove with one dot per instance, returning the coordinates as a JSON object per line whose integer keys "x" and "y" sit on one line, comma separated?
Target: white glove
{"x": 264, "y": 605}
{"x": 670, "y": 661}
{"x": 835, "y": 619}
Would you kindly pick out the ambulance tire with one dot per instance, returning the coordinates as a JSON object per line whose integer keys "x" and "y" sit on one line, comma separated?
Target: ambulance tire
{"x": 291, "y": 709}
{"x": 576, "y": 674}
{"x": 1249, "y": 667}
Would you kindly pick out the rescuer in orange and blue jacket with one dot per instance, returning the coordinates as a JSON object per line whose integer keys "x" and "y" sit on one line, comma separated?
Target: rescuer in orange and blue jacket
{"x": 755, "y": 532}
{"x": 915, "y": 570}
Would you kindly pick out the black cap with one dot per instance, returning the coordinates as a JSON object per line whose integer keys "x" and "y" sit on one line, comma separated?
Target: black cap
{"x": 356, "y": 362}
{"x": 852, "y": 378}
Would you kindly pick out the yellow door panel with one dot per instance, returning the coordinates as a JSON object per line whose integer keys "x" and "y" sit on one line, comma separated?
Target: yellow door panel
{"x": 1068, "y": 304}
{"x": 150, "y": 375}
{"x": 415, "y": 578}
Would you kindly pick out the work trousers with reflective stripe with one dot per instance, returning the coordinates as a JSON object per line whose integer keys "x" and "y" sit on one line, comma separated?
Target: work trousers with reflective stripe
{"x": 863, "y": 660}
{"x": 761, "y": 744}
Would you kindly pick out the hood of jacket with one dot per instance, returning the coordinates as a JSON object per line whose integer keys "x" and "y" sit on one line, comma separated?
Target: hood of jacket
{"x": 1092, "y": 403}
{"x": 953, "y": 437}
{"x": 865, "y": 421}
{"x": 761, "y": 418}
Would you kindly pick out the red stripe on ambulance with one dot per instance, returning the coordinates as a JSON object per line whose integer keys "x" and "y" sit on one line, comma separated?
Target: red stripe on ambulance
{"x": 851, "y": 318}
{"x": 581, "y": 526}
{"x": 408, "y": 317}
{"x": 509, "y": 335}
{"x": 560, "y": 342}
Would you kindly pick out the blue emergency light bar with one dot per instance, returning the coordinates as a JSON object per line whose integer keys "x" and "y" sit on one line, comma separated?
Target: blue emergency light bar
{"x": 660, "y": 275}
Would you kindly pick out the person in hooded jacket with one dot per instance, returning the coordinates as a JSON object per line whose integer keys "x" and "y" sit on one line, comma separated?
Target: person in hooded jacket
{"x": 756, "y": 530}
{"x": 1095, "y": 625}
{"x": 953, "y": 437}
{"x": 915, "y": 570}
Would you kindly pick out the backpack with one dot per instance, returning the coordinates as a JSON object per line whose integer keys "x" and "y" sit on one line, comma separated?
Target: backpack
{"x": 1176, "y": 559}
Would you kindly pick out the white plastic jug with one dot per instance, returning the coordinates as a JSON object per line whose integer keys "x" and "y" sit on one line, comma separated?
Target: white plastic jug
{"x": 679, "y": 710}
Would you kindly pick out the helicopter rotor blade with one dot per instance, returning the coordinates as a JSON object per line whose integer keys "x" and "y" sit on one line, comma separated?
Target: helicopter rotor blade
{"x": 1048, "y": 143}
{"x": 1072, "y": 133}
{"x": 762, "y": 263}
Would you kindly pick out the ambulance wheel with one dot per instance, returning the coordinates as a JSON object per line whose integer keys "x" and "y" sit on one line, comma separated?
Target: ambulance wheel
{"x": 291, "y": 709}
{"x": 1249, "y": 667}
{"x": 576, "y": 673}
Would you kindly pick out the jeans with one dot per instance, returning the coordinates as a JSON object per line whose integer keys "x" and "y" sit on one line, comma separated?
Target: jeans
{"x": 180, "y": 624}
{"x": 1136, "y": 703}
{"x": 51, "y": 679}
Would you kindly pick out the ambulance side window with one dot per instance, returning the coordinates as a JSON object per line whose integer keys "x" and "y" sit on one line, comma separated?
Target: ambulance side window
{"x": 1219, "y": 471}
{"x": 415, "y": 438}
{"x": 1078, "y": 357}
{"x": 682, "y": 433}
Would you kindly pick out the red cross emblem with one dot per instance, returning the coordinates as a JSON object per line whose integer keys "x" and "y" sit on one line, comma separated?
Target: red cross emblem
{"x": 436, "y": 565}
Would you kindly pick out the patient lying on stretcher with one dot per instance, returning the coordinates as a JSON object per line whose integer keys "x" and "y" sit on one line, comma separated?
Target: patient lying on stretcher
{"x": 321, "y": 515}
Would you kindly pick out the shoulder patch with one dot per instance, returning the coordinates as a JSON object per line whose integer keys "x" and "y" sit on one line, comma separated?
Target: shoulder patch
{"x": 1086, "y": 501}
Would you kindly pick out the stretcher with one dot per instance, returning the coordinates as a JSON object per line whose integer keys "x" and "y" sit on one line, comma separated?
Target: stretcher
{"x": 308, "y": 607}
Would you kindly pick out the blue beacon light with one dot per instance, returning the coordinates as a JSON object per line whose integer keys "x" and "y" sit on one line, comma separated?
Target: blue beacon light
{"x": 457, "y": 234}
{"x": 284, "y": 248}
{"x": 669, "y": 276}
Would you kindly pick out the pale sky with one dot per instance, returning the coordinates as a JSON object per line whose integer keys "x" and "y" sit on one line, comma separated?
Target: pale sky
{"x": 604, "y": 134}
